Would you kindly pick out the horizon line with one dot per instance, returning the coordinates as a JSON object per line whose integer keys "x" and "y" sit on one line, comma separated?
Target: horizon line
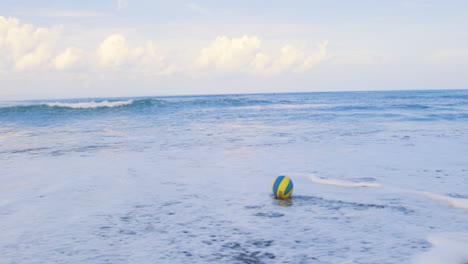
{"x": 234, "y": 94}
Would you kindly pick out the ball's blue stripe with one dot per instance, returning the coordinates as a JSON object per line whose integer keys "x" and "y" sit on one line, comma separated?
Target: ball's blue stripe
{"x": 289, "y": 188}
{"x": 277, "y": 183}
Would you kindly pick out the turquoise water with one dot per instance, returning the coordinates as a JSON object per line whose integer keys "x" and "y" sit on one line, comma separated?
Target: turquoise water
{"x": 380, "y": 177}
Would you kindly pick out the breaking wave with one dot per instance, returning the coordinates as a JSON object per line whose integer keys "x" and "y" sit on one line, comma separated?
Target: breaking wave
{"x": 306, "y": 106}
{"x": 132, "y": 103}
{"x": 85, "y": 105}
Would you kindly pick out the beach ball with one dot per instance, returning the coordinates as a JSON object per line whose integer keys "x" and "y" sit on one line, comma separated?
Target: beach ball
{"x": 282, "y": 187}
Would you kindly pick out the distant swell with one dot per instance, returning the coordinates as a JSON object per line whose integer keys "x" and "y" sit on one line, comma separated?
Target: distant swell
{"x": 85, "y": 105}
{"x": 308, "y": 108}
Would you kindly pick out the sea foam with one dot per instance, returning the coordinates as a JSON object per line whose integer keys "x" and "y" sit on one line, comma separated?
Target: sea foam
{"x": 195, "y": 172}
{"x": 446, "y": 249}
{"x": 341, "y": 183}
{"x": 458, "y": 203}
{"x": 84, "y": 105}
{"x": 454, "y": 202}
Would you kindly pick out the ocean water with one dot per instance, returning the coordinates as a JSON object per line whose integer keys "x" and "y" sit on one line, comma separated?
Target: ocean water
{"x": 380, "y": 177}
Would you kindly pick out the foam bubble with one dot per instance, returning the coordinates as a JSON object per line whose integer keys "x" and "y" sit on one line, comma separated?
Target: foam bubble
{"x": 447, "y": 248}
{"x": 84, "y": 105}
{"x": 452, "y": 201}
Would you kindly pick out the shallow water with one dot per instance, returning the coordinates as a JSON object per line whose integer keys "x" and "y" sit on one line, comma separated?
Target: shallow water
{"x": 380, "y": 177}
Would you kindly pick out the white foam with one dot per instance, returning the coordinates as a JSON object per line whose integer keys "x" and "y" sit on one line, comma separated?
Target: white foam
{"x": 84, "y": 105}
{"x": 341, "y": 183}
{"x": 452, "y": 201}
{"x": 448, "y": 248}
{"x": 458, "y": 203}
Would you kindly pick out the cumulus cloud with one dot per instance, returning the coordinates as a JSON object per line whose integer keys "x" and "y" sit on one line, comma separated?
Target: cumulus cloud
{"x": 229, "y": 54}
{"x": 25, "y": 47}
{"x": 320, "y": 55}
{"x": 114, "y": 52}
{"x": 69, "y": 59}
{"x": 289, "y": 58}
{"x": 246, "y": 55}
{"x": 154, "y": 62}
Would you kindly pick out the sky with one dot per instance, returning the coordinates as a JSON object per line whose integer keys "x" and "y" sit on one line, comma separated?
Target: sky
{"x": 114, "y": 48}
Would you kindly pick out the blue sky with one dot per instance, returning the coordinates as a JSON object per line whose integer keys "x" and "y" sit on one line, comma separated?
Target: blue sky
{"x": 55, "y": 49}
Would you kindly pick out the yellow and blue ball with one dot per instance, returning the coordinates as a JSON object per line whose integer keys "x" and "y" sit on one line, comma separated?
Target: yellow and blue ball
{"x": 282, "y": 187}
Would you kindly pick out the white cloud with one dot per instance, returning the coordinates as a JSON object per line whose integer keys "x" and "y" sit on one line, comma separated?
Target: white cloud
{"x": 296, "y": 60}
{"x": 289, "y": 57}
{"x": 25, "y": 47}
{"x": 69, "y": 59}
{"x": 246, "y": 55}
{"x": 261, "y": 62}
{"x": 229, "y": 54}
{"x": 320, "y": 55}
{"x": 33, "y": 59}
{"x": 154, "y": 62}
{"x": 114, "y": 52}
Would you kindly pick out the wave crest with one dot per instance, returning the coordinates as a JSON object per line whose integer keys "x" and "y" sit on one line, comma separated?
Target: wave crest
{"x": 86, "y": 105}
